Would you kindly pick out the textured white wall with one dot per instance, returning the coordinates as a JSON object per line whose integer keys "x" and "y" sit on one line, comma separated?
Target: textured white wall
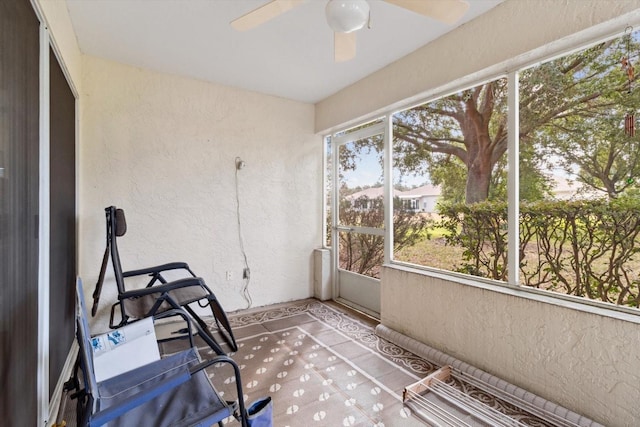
{"x": 583, "y": 361}
{"x": 510, "y": 31}
{"x": 163, "y": 147}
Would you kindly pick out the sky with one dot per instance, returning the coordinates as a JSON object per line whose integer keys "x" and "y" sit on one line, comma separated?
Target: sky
{"x": 369, "y": 173}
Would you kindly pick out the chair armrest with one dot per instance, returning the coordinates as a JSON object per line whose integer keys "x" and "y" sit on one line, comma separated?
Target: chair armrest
{"x": 178, "y": 312}
{"x": 158, "y": 269}
{"x": 218, "y": 359}
{"x": 164, "y": 287}
{"x": 225, "y": 359}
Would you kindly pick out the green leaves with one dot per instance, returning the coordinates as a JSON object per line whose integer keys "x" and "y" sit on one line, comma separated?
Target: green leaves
{"x": 571, "y": 116}
{"x": 587, "y": 248}
{"x": 364, "y": 253}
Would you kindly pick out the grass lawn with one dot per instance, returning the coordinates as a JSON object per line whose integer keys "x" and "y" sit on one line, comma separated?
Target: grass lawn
{"x": 433, "y": 253}
{"x": 436, "y": 253}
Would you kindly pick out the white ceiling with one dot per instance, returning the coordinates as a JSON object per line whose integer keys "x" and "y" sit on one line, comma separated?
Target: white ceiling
{"x": 290, "y": 56}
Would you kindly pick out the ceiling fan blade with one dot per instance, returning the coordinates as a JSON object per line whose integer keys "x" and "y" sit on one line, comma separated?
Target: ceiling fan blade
{"x": 263, "y": 14}
{"x": 447, "y": 11}
{"x": 344, "y": 45}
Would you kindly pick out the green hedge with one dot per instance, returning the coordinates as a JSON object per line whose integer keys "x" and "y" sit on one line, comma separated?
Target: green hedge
{"x": 587, "y": 248}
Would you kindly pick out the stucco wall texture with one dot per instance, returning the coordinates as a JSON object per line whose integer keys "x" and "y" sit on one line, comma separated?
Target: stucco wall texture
{"x": 583, "y": 361}
{"x": 163, "y": 148}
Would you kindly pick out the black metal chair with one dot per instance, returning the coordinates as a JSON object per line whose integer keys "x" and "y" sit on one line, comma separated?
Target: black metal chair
{"x": 174, "y": 391}
{"x": 159, "y": 294}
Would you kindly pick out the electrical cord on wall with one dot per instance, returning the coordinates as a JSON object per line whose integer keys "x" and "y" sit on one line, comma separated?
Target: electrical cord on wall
{"x": 246, "y": 275}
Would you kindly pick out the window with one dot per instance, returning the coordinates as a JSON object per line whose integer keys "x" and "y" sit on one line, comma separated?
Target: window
{"x": 451, "y": 153}
{"x": 578, "y": 170}
{"x": 361, "y": 206}
{"x": 579, "y": 167}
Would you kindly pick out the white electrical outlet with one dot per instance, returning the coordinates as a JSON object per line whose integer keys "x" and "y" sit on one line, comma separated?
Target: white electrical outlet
{"x": 229, "y": 275}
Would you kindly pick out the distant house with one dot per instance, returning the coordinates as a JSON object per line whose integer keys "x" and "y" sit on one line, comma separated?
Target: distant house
{"x": 568, "y": 189}
{"x": 425, "y": 198}
{"x": 419, "y": 199}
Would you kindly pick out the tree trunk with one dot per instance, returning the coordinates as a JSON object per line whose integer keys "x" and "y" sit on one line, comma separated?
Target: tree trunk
{"x": 480, "y": 150}
{"x": 478, "y": 179}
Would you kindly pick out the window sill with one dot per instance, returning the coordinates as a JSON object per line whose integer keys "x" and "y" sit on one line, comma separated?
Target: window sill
{"x": 571, "y": 302}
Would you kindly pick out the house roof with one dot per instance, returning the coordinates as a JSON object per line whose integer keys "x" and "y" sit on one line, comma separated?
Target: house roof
{"x": 375, "y": 192}
{"x": 422, "y": 191}
{"x": 563, "y": 188}
{"x": 370, "y": 193}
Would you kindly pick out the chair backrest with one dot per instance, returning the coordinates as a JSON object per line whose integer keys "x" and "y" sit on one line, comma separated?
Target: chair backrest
{"x": 116, "y": 227}
{"x": 83, "y": 335}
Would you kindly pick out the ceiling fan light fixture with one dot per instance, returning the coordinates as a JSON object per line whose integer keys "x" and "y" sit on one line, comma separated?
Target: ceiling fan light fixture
{"x": 345, "y": 16}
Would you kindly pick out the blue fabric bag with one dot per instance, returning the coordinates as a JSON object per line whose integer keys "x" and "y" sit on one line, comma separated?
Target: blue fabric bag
{"x": 260, "y": 413}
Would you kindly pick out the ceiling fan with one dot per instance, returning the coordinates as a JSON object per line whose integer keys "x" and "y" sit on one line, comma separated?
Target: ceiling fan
{"x": 345, "y": 17}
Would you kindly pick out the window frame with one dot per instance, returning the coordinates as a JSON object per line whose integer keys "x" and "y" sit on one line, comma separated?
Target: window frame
{"x": 511, "y": 70}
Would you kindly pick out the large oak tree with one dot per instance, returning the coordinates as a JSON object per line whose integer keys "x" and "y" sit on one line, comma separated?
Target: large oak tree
{"x": 561, "y": 102}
